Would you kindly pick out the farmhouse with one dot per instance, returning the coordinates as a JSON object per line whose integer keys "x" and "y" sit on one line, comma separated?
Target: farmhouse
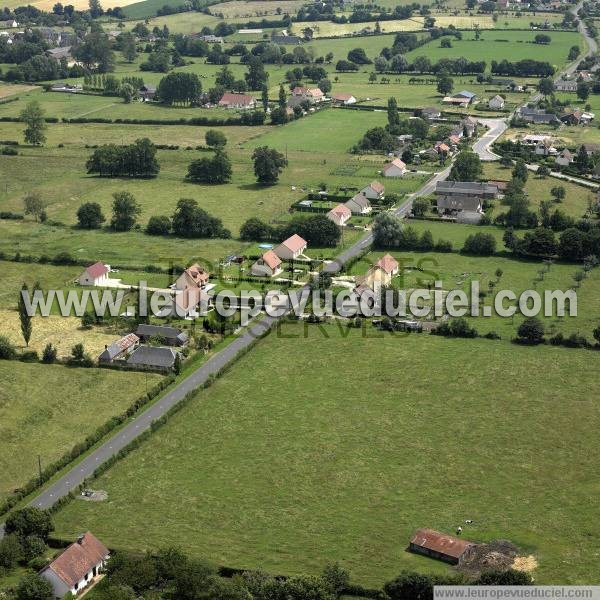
{"x": 535, "y": 115}
{"x": 374, "y": 191}
{"x": 388, "y": 264}
{"x": 533, "y": 139}
{"x": 153, "y": 358}
{"x": 313, "y": 95}
{"x": 456, "y": 101}
{"x": 291, "y": 248}
{"x": 496, "y": 103}
{"x": 120, "y": 349}
{"x": 339, "y": 214}
{"x": 235, "y": 100}
{"x": 442, "y": 148}
{"x": 96, "y": 274}
{"x": 268, "y": 265}
{"x": 466, "y": 209}
{"x": 396, "y": 168}
{"x": 439, "y": 545}
{"x": 172, "y": 336}
{"x": 77, "y": 566}
{"x": 194, "y": 276}
{"x": 66, "y": 87}
{"x": 374, "y": 279}
{"x": 58, "y": 53}
{"x": 590, "y": 149}
{"x": 571, "y": 117}
{"x": 470, "y": 96}
{"x": 359, "y": 205}
{"x": 343, "y": 99}
{"x": 9, "y": 23}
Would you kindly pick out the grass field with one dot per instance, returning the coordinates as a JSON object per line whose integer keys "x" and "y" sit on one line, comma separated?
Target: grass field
{"x": 276, "y": 466}
{"x": 34, "y": 422}
{"x": 249, "y": 10}
{"x": 499, "y": 45}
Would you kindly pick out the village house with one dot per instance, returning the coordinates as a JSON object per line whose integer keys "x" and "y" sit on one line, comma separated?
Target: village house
{"x": 189, "y": 302}
{"x": 194, "y": 276}
{"x": 312, "y": 95}
{"x": 170, "y": 336}
{"x": 442, "y": 149}
{"x": 66, "y": 87}
{"x": 534, "y": 139}
{"x": 470, "y": 96}
{"x": 571, "y": 117}
{"x": 565, "y": 158}
{"x": 456, "y": 101}
{"x": 9, "y": 24}
{"x": 466, "y": 188}
{"x": 389, "y": 265}
{"x": 212, "y": 39}
{"x": 77, "y": 567}
{"x": 60, "y": 53}
{"x": 590, "y": 149}
{"x": 96, "y": 274}
{"x": 153, "y": 358}
{"x": 291, "y": 248}
{"x": 120, "y": 349}
{"x": 396, "y": 168}
{"x": 374, "y": 191}
{"x": 359, "y": 205}
{"x": 268, "y": 265}
{"x": 438, "y": 545}
{"x": 343, "y": 99}
{"x": 339, "y": 214}
{"x": 496, "y": 103}
{"x": 545, "y": 148}
{"x": 535, "y": 115}
{"x": 468, "y": 126}
{"x": 374, "y": 279}
{"x": 235, "y": 100}
{"x": 466, "y": 209}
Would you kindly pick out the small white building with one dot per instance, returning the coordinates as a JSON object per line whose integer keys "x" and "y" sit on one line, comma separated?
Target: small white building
{"x": 291, "y": 248}
{"x": 496, "y": 103}
{"x": 268, "y": 265}
{"x": 396, "y": 168}
{"x": 343, "y": 99}
{"x": 339, "y": 214}
{"x": 96, "y": 274}
{"x": 77, "y": 567}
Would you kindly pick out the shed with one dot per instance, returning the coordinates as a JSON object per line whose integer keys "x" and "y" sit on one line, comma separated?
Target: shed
{"x": 442, "y": 546}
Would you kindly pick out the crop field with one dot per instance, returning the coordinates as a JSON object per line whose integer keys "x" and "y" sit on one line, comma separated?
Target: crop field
{"x": 34, "y": 422}
{"x": 273, "y": 471}
{"x": 10, "y": 89}
{"x": 499, "y": 45}
{"x": 249, "y": 10}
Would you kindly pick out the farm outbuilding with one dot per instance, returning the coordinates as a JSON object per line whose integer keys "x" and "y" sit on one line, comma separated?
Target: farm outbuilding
{"x": 442, "y": 546}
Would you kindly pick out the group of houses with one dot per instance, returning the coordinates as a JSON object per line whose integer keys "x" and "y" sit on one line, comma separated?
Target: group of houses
{"x": 464, "y": 200}
{"x": 269, "y": 264}
{"x": 539, "y": 116}
{"x": 360, "y": 203}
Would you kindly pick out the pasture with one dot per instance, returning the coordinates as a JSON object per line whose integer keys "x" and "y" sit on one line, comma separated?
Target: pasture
{"x": 35, "y": 422}
{"x": 274, "y": 469}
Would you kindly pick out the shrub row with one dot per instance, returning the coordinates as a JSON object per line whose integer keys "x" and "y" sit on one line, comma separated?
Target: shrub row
{"x": 84, "y": 446}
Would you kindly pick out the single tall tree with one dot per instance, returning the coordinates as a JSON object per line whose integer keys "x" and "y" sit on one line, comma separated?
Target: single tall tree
{"x": 33, "y": 116}
{"x": 125, "y": 211}
{"x": 24, "y": 317}
{"x": 268, "y": 164}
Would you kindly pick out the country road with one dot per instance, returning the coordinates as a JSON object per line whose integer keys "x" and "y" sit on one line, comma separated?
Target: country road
{"x": 142, "y": 422}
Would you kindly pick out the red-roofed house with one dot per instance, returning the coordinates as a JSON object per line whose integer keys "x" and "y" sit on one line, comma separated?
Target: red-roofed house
{"x": 234, "y": 100}
{"x": 291, "y": 248}
{"x": 313, "y": 95}
{"x": 268, "y": 265}
{"x": 396, "y": 168}
{"x": 343, "y": 99}
{"x": 96, "y": 274}
{"x": 194, "y": 276}
{"x": 77, "y": 566}
{"x": 374, "y": 191}
{"x": 439, "y": 545}
{"x": 389, "y": 264}
{"x": 339, "y": 214}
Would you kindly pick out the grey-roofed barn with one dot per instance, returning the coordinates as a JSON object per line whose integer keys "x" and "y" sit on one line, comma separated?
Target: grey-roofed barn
{"x": 171, "y": 335}
{"x": 153, "y": 358}
{"x": 466, "y": 188}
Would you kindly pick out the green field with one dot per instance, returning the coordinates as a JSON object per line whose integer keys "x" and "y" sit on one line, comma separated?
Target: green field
{"x": 280, "y": 467}
{"x": 499, "y": 45}
{"x": 35, "y": 422}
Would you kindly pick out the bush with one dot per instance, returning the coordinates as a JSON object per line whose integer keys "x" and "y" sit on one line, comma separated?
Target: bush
{"x": 159, "y": 225}
{"x": 480, "y": 244}
{"x": 29, "y": 356}
{"x": 49, "y": 354}
{"x": 456, "y": 328}
{"x": 531, "y": 331}
{"x": 7, "y": 350}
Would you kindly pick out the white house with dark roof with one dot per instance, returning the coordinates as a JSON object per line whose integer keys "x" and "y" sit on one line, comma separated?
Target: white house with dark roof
{"x": 96, "y": 274}
{"x": 77, "y": 567}
{"x": 565, "y": 158}
{"x": 155, "y": 358}
{"x": 291, "y": 248}
{"x": 359, "y": 205}
{"x": 496, "y": 103}
{"x": 268, "y": 265}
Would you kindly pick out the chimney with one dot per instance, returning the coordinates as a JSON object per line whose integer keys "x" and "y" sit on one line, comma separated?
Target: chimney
{"x": 105, "y": 346}
{"x": 80, "y": 538}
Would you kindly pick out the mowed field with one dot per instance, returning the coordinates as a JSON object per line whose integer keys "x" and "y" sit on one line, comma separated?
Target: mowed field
{"x": 46, "y": 409}
{"x": 280, "y": 467}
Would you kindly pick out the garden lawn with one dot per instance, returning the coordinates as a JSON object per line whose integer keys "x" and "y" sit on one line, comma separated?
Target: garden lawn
{"x": 279, "y": 467}
{"x": 46, "y": 409}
